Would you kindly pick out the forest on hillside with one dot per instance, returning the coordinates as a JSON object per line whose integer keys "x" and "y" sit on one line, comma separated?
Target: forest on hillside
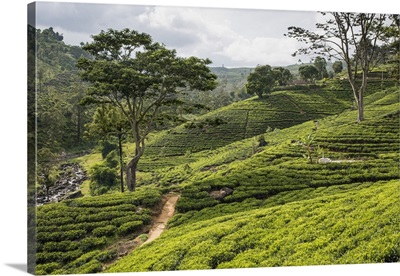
{"x": 267, "y": 166}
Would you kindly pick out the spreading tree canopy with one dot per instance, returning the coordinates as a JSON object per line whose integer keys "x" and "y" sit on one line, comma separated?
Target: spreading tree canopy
{"x": 350, "y": 37}
{"x": 140, "y": 77}
{"x": 309, "y": 72}
{"x": 265, "y": 78}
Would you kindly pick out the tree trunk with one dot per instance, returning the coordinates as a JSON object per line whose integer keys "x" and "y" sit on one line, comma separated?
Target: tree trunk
{"x": 47, "y": 193}
{"x": 131, "y": 174}
{"x": 121, "y": 162}
{"x": 79, "y": 125}
{"x": 360, "y": 108}
{"x": 358, "y": 94}
{"x": 361, "y": 94}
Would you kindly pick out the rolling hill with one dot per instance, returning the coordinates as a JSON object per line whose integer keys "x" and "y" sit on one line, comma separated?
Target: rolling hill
{"x": 243, "y": 120}
{"x": 284, "y": 211}
{"x": 281, "y": 210}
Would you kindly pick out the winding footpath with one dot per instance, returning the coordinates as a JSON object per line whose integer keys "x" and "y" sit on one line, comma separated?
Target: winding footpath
{"x": 161, "y": 220}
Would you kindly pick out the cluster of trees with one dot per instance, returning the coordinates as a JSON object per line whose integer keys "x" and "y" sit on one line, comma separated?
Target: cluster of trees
{"x": 74, "y": 112}
{"x": 264, "y": 78}
{"x": 59, "y": 118}
{"x": 318, "y": 70}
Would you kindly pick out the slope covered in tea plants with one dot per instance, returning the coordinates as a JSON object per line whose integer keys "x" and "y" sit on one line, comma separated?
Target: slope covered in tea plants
{"x": 282, "y": 209}
{"x": 358, "y": 226}
{"x": 74, "y": 236}
{"x": 366, "y": 151}
{"x": 239, "y": 121}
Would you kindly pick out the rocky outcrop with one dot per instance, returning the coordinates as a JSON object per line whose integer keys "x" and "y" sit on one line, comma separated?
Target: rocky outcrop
{"x": 67, "y": 186}
{"x": 221, "y": 194}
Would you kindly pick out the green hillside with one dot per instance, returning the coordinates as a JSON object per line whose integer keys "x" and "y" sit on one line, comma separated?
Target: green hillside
{"x": 243, "y": 120}
{"x": 225, "y": 180}
{"x": 356, "y": 226}
{"x": 283, "y": 210}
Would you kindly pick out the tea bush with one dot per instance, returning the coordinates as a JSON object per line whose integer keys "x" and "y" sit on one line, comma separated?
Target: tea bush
{"x": 72, "y": 235}
{"x": 326, "y": 228}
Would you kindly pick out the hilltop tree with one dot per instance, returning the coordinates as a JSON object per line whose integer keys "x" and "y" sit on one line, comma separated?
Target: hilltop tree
{"x": 140, "y": 77}
{"x": 309, "y": 73}
{"x": 282, "y": 75}
{"x": 261, "y": 81}
{"x": 351, "y": 37}
{"x": 320, "y": 64}
{"x": 337, "y": 67}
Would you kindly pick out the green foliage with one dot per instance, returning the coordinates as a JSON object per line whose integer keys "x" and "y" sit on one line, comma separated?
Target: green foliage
{"x": 261, "y": 81}
{"x": 330, "y": 228}
{"x": 309, "y": 73}
{"x": 146, "y": 81}
{"x": 103, "y": 178}
{"x": 105, "y": 231}
{"x": 337, "y": 66}
{"x": 129, "y": 227}
{"x": 320, "y": 64}
{"x": 107, "y": 147}
{"x": 72, "y": 235}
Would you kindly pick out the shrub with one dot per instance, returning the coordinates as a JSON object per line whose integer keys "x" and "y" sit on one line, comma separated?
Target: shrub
{"x": 84, "y": 258}
{"x": 107, "y": 147}
{"x": 102, "y": 179}
{"x": 93, "y": 266}
{"x": 129, "y": 227}
{"x": 106, "y": 256}
{"x": 90, "y": 243}
{"x": 106, "y": 231}
{"x": 47, "y": 268}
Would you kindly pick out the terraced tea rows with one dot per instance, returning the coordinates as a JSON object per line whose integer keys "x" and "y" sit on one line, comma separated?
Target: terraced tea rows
{"x": 242, "y": 120}
{"x": 72, "y": 236}
{"x": 362, "y": 152}
{"x": 330, "y": 229}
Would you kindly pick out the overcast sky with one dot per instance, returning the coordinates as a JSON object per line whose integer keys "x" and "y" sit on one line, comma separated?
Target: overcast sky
{"x": 229, "y": 37}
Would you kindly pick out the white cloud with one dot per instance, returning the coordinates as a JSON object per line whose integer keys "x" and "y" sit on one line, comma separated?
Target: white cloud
{"x": 233, "y": 37}
{"x": 261, "y": 50}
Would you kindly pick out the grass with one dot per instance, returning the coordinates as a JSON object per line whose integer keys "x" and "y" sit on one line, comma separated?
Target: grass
{"x": 87, "y": 162}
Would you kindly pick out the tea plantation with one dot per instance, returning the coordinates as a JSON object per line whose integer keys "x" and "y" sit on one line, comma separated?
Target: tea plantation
{"x": 242, "y": 120}
{"x": 284, "y": 210}
{"x": 73, "y": 235}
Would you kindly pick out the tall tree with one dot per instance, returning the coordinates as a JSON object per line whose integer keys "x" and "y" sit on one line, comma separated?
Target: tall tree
{"x": 282, "y": 75}
{"x": 139, "y": 76}
{"x": 351, "y": 37}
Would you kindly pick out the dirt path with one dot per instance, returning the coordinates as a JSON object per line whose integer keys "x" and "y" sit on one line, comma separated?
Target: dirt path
{"x": 160, "y": 222}
{"x": 126, "y": 245}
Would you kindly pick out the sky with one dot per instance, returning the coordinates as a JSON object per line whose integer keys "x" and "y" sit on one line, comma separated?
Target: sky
{"x": 230, "y": 37}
